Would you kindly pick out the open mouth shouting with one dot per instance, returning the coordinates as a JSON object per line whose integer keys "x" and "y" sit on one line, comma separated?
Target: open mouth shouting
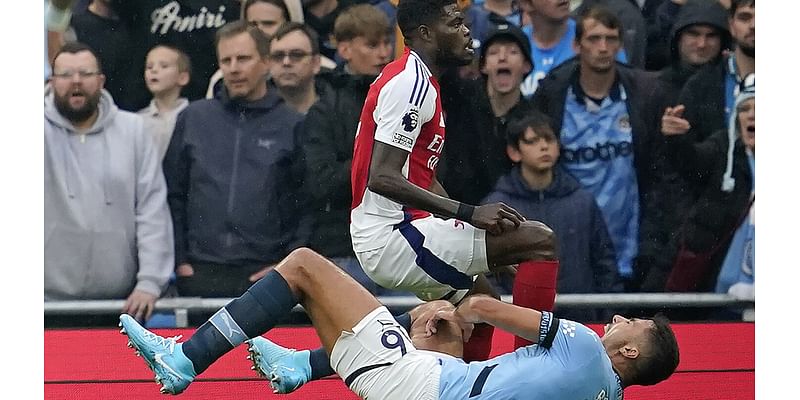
{"x": 469, "y": 46}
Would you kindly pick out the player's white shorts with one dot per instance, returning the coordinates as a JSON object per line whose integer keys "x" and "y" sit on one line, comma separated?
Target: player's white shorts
{"x": 432, "y": 257}
{"x": 378, "y": 361}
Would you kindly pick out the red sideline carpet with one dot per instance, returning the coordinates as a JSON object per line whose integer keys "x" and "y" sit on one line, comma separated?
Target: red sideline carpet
{"x": 717, "y": 363}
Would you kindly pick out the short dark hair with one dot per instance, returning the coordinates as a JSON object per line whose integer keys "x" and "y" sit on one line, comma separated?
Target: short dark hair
{"x": 184, "y": 63}
{"x": 361, "y": 20}
{"x": 533, "y": 119}
{"x": 75, "y": 48}
{"x": 411, "y": 14}
{"x": 601, "y": 15}
{"x": 236, "y": 28}
{"x": 277, "y": 3}
{"x": 736, "y": 4}
{"x": 291, "y": 26}
{"x": 662, "y": 357}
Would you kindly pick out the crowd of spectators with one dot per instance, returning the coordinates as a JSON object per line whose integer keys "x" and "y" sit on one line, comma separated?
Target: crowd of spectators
{"x": 192, "y": 144}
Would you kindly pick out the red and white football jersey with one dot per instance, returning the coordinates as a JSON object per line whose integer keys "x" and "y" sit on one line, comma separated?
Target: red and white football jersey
{"x": 403, "y": 109}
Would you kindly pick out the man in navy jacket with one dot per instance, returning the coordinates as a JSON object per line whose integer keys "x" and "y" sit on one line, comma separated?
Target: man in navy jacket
{"x": 233, "y": 173}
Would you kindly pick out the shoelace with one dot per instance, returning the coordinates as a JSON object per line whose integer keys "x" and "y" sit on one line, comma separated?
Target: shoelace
{"x": 168, "y": 342}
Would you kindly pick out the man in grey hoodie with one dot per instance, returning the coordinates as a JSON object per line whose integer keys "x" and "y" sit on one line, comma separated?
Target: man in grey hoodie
{"x": 108, "y": 232}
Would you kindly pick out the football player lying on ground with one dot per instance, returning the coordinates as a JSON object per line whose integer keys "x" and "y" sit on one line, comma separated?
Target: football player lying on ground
{"x": 377, "y": 358}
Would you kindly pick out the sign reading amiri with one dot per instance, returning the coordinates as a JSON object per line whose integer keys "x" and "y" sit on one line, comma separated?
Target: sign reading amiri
{"x": 168, "y": 18}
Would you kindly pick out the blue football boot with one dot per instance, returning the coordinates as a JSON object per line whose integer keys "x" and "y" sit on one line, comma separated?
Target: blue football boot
{"x": 174, "y": 371}
{"x": 286, "y": 369}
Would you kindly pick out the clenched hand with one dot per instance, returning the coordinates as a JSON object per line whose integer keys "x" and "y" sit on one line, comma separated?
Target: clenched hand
{"x": 496, "y": 218}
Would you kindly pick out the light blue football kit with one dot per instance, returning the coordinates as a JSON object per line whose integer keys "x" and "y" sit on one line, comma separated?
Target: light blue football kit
{"x": 597, "y": 149}
{"x": 568, "y": 363}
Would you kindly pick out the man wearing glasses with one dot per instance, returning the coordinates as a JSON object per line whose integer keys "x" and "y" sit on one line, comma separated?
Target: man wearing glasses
{"x": 232, "y": 169}
{"x": 294, "y": 65}
{"x": 108, "y": 234}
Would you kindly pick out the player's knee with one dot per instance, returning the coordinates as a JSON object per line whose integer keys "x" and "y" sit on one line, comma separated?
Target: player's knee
{"x": 304, "y": 255}
{"x": 542, "y": 239}
{"x": 302, "y": 261}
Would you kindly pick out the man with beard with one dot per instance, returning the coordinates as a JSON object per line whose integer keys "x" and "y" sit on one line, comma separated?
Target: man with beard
{"x": 232, "y": 170}
{"x": 596, "y": 106}
{"x": 108, "y": 234}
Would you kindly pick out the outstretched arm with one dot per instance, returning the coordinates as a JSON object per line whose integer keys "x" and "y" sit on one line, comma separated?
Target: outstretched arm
{"x": 386, "y": 178}
{"x": 520, "y": 321}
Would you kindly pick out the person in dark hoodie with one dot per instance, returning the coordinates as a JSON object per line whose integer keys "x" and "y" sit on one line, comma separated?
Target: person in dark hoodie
{"x": 233, "y": 173}
{"x": 539, "y": 189}
{"x": 720, "y": 227}
{"x": 363, "y": 39}
{"x": 699, "y": 37}
{"x": 710, "y": 94}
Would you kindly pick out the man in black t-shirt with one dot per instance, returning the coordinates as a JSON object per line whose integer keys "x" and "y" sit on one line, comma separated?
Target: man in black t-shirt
{"x": 100, "y": 28}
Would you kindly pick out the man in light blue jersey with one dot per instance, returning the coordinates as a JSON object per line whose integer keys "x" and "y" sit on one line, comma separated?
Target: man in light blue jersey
{"x": 378, "y": 358}
{"x": 598, "y": 108}
{"x": 552, "y": 34}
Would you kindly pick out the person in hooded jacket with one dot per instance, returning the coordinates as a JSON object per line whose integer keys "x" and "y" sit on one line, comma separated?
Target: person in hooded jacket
{"x": 108, "y": 233}
{"x": 699, "y": 37}
{"x": 720, "y": 227}
{"x": 709, "y": 95}
{"x": 542, "y": 191}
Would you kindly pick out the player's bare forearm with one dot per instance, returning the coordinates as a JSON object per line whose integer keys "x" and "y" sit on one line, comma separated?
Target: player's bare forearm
{"x": 386, "y": 179}
{"x": 520, "y": 321}
{"x": 436, "y": 187}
